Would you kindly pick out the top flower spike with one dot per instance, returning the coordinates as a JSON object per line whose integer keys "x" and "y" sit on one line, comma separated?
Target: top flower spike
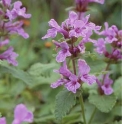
{"x": 72, "y": 27}
{"x": 17, "y": 11}
{"x": 8, "y": 13}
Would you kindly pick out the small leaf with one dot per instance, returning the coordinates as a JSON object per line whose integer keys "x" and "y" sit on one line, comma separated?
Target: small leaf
{"x": 41, "y": 69}
{"x": 43, "y": 74}
{"x": 103, "y": 103}
{"x": 64, "y": 102}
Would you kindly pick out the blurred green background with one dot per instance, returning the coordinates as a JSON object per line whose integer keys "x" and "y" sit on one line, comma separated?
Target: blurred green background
{"x": 40, "y": 97}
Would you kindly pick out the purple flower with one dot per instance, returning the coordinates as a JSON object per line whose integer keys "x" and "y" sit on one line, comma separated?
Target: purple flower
{"x": 70, "y": 80}
{"x": 100, "y": 46}
{"x": 3, "y": 43}
{"x": 68, "y": 23}
{"x": 21, "y": 114}
{"x": 72, "y": 27}
{"x": 106, "y": 86}
{"x": 3, "y": 120}
{"x": 17, "y": 11}
{"x": 6, "y": 2}
{"x": 16, "y": 27}
{"x": 55, "y": 28}
{"x": 63, "y": 53}
{"x": 116, "y": 54}
{"x": 83, "y": 28}
{"x": 58, "y": 83}
{"x": 9, "y": 56}
{"x": 110, "y": 33}
{"x": 74, "y": 81}
{"x": 81, "y": 46}
{"x": 77, "y": 31}
{"x": 73, "y": 84}
{"x": 64, "y": 70}
{"x": 84, "y": 70}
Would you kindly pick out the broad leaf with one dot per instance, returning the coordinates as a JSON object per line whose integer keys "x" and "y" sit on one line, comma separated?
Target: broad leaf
{"x": 103, "y": 103}
{"x": 17, "y": 73}
{"x": 64, "y": 102}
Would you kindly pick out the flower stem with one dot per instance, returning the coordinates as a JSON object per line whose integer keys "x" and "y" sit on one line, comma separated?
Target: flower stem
{"x": 82, "y": 107}
{"x": 74, "y": 68}
{"x": 93, "y": 113}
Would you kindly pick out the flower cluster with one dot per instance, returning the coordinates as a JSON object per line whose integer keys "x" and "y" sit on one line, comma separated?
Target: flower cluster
{"x": 77, "y": 26}
{"x": 72, "y": 29}
{"x": 113, "y": 36}
{"x": 70, "y": 80}
{"x": 8, "y": 25}
{"x": 21, "y": 114}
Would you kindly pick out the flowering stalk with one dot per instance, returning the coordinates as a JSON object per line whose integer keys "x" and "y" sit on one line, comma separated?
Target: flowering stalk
{"x": 9, "y": 13}
{"x": 77, "y": 26}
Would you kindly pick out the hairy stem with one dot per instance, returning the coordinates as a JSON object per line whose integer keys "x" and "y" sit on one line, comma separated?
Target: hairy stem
{"x": 82, "y": 107}
{"x": 92, "y": 116}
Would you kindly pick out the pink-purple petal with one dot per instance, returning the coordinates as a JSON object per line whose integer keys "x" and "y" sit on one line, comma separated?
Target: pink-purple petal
{"x": 22, "y": 114}
{"x": 50, "y": 33}
{"x": 54, "y": 24}
{"x": 57, "y": 83}
{"x": 83, "y": 67}
{"x": 72, "y": 86}
{"x": 3, "y": 120}
{"x": 107, "y": 90}
{"x": 89, "y": 79}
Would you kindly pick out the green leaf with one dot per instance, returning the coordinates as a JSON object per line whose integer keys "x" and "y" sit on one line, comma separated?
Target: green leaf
{"x": 117, "y": 110}
{"x": 96, "y": 66}
{"x": 117, "y": 87}
{"x": 64, "y": 102}
{"x": 40, "y": 69}
{"x": 17, "y": 73}
{"x": 103, "y": 103}
{"x": 43, "y": 73}
{"x": 117, "y": 122}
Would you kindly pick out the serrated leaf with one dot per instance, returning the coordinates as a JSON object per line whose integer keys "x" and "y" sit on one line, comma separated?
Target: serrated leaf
{"x": 103, "y": 103}
{"x": 42, "y": 73}
{"x": 17, "y": 73}
{"x": 64, "y": 102}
